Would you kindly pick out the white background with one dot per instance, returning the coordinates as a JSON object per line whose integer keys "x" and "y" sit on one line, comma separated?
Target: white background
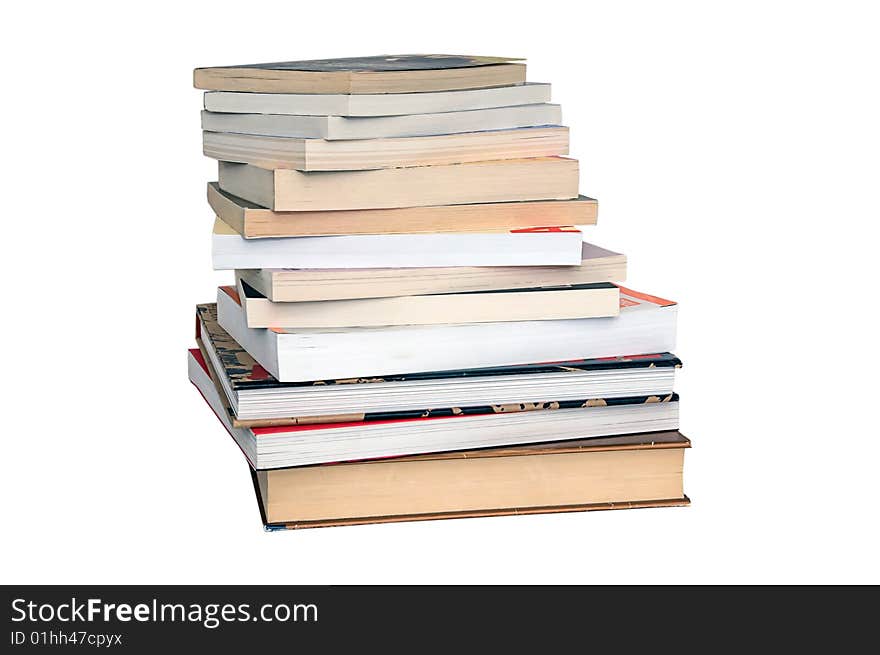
{"x": 733, "y": 148}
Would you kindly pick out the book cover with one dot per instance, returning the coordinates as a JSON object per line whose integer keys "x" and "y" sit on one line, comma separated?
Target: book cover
{"x": 352, "y": 419}
{"x": 381, "y": 63}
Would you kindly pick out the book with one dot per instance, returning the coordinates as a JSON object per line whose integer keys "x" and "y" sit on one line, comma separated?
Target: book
{"x": 543, "y": 178}
{"x": 646, "y": 324}
{"x": 535, "y": 304}
{"x": 412, "y": 73}
{"x": 454, "y": 429}
{"x": 378, "y": 104}
{"x": 301, "y": 285}
{"x": 559, "y": 246}
{"x": 314, "y": 154}
{"x": 255, "y": 398}
{"x": 254, "y": 222}
{"x": 383, "y": 127}
{"x": 623, "y": 472}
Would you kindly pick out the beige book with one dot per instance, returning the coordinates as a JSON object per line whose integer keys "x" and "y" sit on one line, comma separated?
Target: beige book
{"x": 544, "y": 178}
{"x": 315, "y": 154}
{"x": 640, "y": 470}
{"x": 538, "y": 304}
{"x": 381, "y": 74}
{"x": 302, "y": 285}
{"x": 253, "y": 222}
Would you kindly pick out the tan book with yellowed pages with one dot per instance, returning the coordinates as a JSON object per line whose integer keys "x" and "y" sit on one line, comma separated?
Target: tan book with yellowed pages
{"x": 254, "y": 222}
{"x": 355, "y": 75}
{"x": 641, "y": 470}
{"x": 535, "y": 304}
{"x": 542, "y": 178}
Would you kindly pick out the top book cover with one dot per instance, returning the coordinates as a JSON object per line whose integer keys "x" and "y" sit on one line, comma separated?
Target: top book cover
{"x": 356, "y": 75}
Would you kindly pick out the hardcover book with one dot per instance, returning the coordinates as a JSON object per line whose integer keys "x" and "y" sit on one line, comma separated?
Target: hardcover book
{"x": 625, "y": 472}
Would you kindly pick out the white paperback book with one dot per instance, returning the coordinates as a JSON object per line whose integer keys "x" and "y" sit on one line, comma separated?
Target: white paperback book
{"x": 376, "y": 104}
{"x": 299, "y": 445}
{"x": 559, "y": 246}
{"x": 303, "y": 285}
{"x": 646, "y": 324}
{"x": 253, "y": 395}
{"x": 377, "y": 127}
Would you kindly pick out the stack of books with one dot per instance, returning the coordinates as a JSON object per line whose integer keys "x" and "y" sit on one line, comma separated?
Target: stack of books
{"x": 417, "y": 330}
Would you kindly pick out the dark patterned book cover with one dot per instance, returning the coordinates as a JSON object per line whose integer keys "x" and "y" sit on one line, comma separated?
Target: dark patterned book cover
{"x": 354, "y": 419}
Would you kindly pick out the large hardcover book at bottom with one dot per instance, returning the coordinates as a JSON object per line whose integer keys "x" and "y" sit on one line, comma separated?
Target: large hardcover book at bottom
{"x": 632, "y": 471}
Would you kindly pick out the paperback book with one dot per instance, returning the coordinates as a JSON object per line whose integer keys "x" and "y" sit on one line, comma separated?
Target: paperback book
{"x": 414, "y": 73}
{"x": 255, "y": 222}
{"x": 254, "y": 397}
{"x": 377, "y": 104}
